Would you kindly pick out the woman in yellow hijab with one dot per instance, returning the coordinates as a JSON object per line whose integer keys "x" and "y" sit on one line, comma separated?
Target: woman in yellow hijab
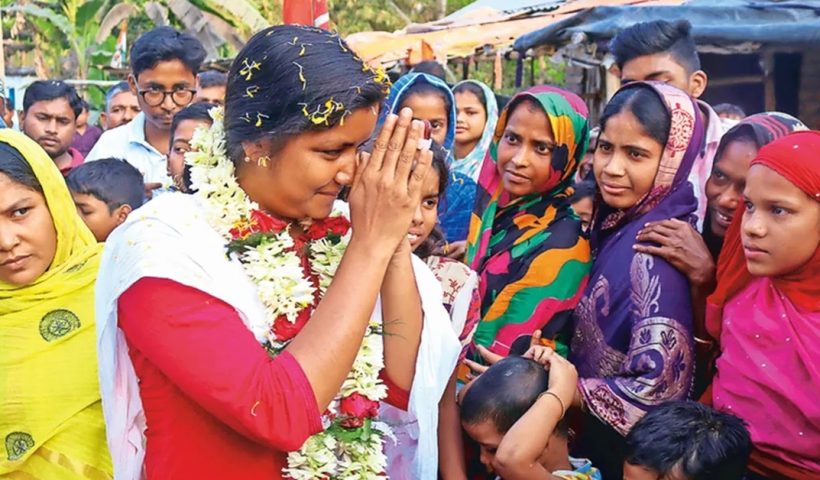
{"x": 51, "y": 422}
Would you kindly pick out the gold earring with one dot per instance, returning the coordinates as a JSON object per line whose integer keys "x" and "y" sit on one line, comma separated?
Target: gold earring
{"x": 263, "y": 161}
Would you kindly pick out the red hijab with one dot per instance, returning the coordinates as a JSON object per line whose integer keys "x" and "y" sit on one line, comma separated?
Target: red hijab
{"x": 796, "y": 157}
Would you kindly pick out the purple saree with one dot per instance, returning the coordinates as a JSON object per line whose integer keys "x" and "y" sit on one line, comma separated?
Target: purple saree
{"x": 633, "y": 344}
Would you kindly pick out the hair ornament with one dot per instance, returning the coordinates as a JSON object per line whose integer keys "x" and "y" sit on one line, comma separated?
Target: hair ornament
{"x": 302, "y": 75}
{"x": 248, "y": 68}
{"x": 247, "y": 117}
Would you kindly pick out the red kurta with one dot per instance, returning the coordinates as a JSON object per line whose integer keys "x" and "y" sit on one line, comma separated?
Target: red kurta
{"x": 216, "y": 405}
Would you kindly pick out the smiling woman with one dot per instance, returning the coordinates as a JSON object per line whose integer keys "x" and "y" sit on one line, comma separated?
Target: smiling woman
{"x": 51, "y": 423}
{"x": 267, "y": 289}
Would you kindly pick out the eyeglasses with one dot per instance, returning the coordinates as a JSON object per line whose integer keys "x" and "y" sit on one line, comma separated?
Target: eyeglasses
{"x": 154, "y": 97}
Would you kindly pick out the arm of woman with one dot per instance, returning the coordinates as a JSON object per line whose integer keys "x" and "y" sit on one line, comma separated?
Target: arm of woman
{"x": 201, "y": 345}
{"x": 522, "y": 446}
{"x": 450, "y": 445}
{"x": 402, "y": 316}
{"x": 681, "y": 245}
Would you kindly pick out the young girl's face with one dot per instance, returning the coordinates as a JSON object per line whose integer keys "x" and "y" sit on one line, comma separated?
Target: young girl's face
{"x": 525, "y": 152}
{"x": 488, "y": 438}
{"x": 471, "y": 119}
{"x": 626, "y": 161}
{"x": 781, "y": 224}
{"x": 583, "y": 208}
{"x": 427, "y": 212}
{"x": 430, "y": 107}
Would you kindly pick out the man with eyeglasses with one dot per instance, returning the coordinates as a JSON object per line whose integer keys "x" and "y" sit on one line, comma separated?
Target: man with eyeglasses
{"x": 164, "y": 65}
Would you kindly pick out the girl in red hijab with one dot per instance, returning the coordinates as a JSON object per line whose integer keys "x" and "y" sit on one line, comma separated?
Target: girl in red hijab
{"x": 766, "y": 310}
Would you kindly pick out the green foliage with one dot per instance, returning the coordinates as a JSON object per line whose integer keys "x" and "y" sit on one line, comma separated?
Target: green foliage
{"x": 350, "y": 16}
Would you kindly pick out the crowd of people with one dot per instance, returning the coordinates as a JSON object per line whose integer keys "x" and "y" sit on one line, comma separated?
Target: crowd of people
{"x": 306, "y": 269}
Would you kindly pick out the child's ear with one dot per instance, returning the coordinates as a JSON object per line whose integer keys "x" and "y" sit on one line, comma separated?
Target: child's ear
{"x": 121, "y": 213}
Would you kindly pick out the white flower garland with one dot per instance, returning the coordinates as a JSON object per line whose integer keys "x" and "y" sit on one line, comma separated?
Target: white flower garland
{"x": 273, "y": 265}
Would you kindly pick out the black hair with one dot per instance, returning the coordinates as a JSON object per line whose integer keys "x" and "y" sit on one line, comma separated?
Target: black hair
{"x": 729, "y": 109}
{"x": 15, "y": 166}
{"x": 583, "y": 189}
{"x": 110, "y": 180}
{"x": 475, "y": 90}
{"x": 431, "y": 67}
{"x": 504, "y": 393}
{"x": 47, "y": 90}
{"x": 84, "y": 105}
{"x": 114, "y": 91}
{"x": 659, "y": 36}
{"x": 422, "y": 87}
{"x": 212, "y": 78}
{"x": 164, "y": 44}
{"x": 194, "y": 111}
{"x": 9, "y": 103}
{"x": 502, "y": 101}
{"x": 300, "y": 79}
{"x": 697, "y": 441}
{"x": 646, "y": 105}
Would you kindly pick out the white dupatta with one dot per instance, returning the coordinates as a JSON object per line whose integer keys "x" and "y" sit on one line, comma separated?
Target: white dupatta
{"x": 170, "y": 238}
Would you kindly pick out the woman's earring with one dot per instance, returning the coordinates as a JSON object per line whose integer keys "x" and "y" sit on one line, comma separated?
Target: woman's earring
{"x": 263, "y": 161}
{"x": 247, "y": 159}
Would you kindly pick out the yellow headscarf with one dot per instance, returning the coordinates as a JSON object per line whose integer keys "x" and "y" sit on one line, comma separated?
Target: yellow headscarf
{"x": 51, "y": 422}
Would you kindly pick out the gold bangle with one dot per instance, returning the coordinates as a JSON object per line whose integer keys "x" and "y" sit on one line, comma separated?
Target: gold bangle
{"x": 561, "y": 402}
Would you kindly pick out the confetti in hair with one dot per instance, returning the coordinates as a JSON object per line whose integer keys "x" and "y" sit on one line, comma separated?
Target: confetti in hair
{"x": 251, "y": 91}
{"x": 293, "y": 42}
{"x": 302, "y": 75}
{"x": 248, "y": 68}
{"x": 323, "y": 112}
{"x": 259, "y": 117}
{"x": 247, "y": 117}
{"x": 342, "y": 120}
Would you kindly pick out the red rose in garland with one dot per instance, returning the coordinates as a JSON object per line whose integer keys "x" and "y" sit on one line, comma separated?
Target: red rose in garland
{"x": 259, "y": 222}
{"x": 356, "y": 408}
{"x": 284, "y": 329}
{"x": 337, "y": 226}
{"x": 267, "y": 223}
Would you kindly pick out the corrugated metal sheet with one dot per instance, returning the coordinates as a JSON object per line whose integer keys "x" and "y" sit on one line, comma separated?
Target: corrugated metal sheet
{"x": 453, "y": 38}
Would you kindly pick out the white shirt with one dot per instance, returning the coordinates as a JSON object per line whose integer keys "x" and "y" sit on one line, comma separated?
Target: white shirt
{"x": 128, "y": 143}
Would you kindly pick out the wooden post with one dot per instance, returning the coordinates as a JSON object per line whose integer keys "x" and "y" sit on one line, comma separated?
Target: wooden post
{"x": 768, "y": 82}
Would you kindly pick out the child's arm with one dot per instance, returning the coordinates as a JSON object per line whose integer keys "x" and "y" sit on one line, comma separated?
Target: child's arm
{"x": 517, "y": 455}
{"x": 450, "y": 446}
